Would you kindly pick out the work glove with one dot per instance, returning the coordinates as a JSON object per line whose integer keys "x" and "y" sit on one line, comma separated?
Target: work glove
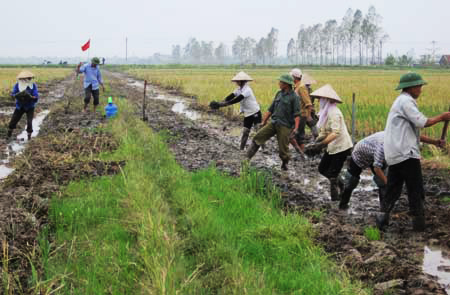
{"x": 314, "y": 148}
{"x": 24, "y": 97}
{"x": 215, "y": 105}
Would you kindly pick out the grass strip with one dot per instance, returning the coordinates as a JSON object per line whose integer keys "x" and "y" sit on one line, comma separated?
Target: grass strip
{"x": 157, "y": 229}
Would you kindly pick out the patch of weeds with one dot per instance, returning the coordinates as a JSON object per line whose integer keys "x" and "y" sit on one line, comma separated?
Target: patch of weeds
{"x": 315, "y": 215}
{"x": 446, "y": 199}
{"x": 372, "y": 233}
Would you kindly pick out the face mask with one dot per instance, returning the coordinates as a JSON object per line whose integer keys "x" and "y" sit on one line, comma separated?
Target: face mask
{"x": 322, "y": 102}
{"x": 23, "y": 84}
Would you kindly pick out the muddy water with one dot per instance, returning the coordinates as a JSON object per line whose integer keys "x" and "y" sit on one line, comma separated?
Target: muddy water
{"x": 436, "y": 262}
{"x": 18, "y": 144}
{"x": 180, "y": 106}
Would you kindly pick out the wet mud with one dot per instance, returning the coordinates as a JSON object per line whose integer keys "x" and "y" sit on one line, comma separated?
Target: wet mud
{"x": 395, "y": 263}
{"x": 62, "y": 150}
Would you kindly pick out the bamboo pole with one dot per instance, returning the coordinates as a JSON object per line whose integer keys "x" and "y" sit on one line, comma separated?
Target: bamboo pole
{"x": 144, "y": 118}
{"x": 353, "y": 117}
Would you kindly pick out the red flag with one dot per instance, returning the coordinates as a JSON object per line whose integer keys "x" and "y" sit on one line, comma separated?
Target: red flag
{"x": 86, "y": 46}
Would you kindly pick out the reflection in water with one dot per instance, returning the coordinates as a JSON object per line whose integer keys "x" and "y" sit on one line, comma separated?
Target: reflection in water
{"x": 181, "y": 108}
{"x": 437, "y": 264}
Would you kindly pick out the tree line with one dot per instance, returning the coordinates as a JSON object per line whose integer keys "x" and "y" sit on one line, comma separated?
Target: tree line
{"x": 357, "y": 39}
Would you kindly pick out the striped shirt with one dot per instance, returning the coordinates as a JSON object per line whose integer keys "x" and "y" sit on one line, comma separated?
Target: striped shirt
{"x": 370, "y": 151}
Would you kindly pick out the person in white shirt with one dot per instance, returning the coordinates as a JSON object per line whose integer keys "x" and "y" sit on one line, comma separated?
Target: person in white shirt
{"x": 243, "y": 94}
{"x": 402, "y": 153}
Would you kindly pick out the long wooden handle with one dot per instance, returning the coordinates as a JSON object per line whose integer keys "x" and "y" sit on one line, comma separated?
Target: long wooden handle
{"x": 444, "y": 130}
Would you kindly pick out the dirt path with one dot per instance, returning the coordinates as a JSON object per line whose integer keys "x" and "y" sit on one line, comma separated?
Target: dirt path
{"x": 199, "y": 138}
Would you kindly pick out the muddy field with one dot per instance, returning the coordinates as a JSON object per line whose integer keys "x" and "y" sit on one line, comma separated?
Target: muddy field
{"x": 64, "y": 141}
{"x": 200, "y": 138}
{"x": 403, "y": 260}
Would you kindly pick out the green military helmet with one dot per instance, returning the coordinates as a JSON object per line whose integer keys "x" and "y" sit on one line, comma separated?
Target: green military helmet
{"x": 95, "y": 60}
{"x": 409, "y": 80}
{"x": 286, "y": 79}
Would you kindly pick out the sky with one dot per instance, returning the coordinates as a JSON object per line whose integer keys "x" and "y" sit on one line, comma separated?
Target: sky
{"x": 59, "y": 27}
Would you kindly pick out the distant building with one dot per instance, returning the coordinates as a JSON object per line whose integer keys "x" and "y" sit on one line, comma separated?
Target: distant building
{"x": 445, "y": 60}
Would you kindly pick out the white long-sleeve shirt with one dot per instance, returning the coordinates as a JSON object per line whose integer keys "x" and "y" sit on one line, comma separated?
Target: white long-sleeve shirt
{"x": 402, "y": 132}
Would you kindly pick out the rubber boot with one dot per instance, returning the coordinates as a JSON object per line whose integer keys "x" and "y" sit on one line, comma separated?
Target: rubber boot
{"x": 9, "y": 134}
{"x": 334, "y": 189}
{"x": 284, "y": 165}
{"x": 244, "y": 138}
{"x": 315, "y": 131}
{"x": 252, "y": 150}
{"x": 382, "y": 220}
{"x": 350, "y": 184}
{"x": 382, "y": 197}
{"x": 29, "y": 136}
{"x": 418, "y": 223}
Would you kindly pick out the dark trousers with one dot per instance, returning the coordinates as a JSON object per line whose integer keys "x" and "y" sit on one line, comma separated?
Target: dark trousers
{"x": 409, "y": 172}
{"x": 87, "y": 95}
{"x": 17, "y": 115}
{"x": 356, "y": 171}
{"x": 252, "y": 120}
{"x": 300, "y": 137}
{"x": 331, "y": 165}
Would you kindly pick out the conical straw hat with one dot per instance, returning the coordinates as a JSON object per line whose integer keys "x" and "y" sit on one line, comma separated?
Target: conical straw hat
{"x": 327, "y": 91}
{"x": 25, "y": 74}
{"x": 308, "y": 80}
{"x": 241, "y": 76}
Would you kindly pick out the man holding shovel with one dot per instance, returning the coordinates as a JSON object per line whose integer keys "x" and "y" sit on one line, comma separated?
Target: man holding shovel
{"x": 401, "y": 149}
{"x": 306, "y": 107}
{"x": 92, "y": 81}
{"x": 284, "y": 115}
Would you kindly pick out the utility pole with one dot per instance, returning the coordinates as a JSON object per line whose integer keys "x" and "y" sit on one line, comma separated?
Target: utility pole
{"x": 126, "y": 49}
{"x": 433, "y": 50}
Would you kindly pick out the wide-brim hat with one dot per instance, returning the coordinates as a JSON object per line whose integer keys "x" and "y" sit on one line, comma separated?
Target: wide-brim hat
{"x": 308, "y": 80}
{"x": 410, "y": 79}
{"x": 25, "y": 75}
{"x": 241, "y": 76}
{"x": 95, "y": 60}
{"x": 328, "y": 92}
{"x": 286, "y": 79}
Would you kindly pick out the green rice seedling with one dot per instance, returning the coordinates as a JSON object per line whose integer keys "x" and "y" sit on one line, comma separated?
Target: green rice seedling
{"x": 372, "y": 233}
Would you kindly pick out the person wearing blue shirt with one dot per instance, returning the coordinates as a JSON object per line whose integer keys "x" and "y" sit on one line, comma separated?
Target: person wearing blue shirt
{"x": 92, "y": 81}
{"x": 26, "y": 94}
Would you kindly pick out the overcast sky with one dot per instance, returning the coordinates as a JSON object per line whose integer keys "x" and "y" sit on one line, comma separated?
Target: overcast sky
{"x": 60, "y": 27}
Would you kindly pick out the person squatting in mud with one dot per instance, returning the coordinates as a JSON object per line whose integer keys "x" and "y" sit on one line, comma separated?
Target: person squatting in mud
{"x": 402, "y": 152}
{"x": 248, "y": 104}
{"x": 305, "y": 112}
{"x": 333, "y": 135}
{"x": 92, "y": 81}
{"x": 26, "y": 93}
{"x": 368, "y": 152}
{"x": 284, "y": 114}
